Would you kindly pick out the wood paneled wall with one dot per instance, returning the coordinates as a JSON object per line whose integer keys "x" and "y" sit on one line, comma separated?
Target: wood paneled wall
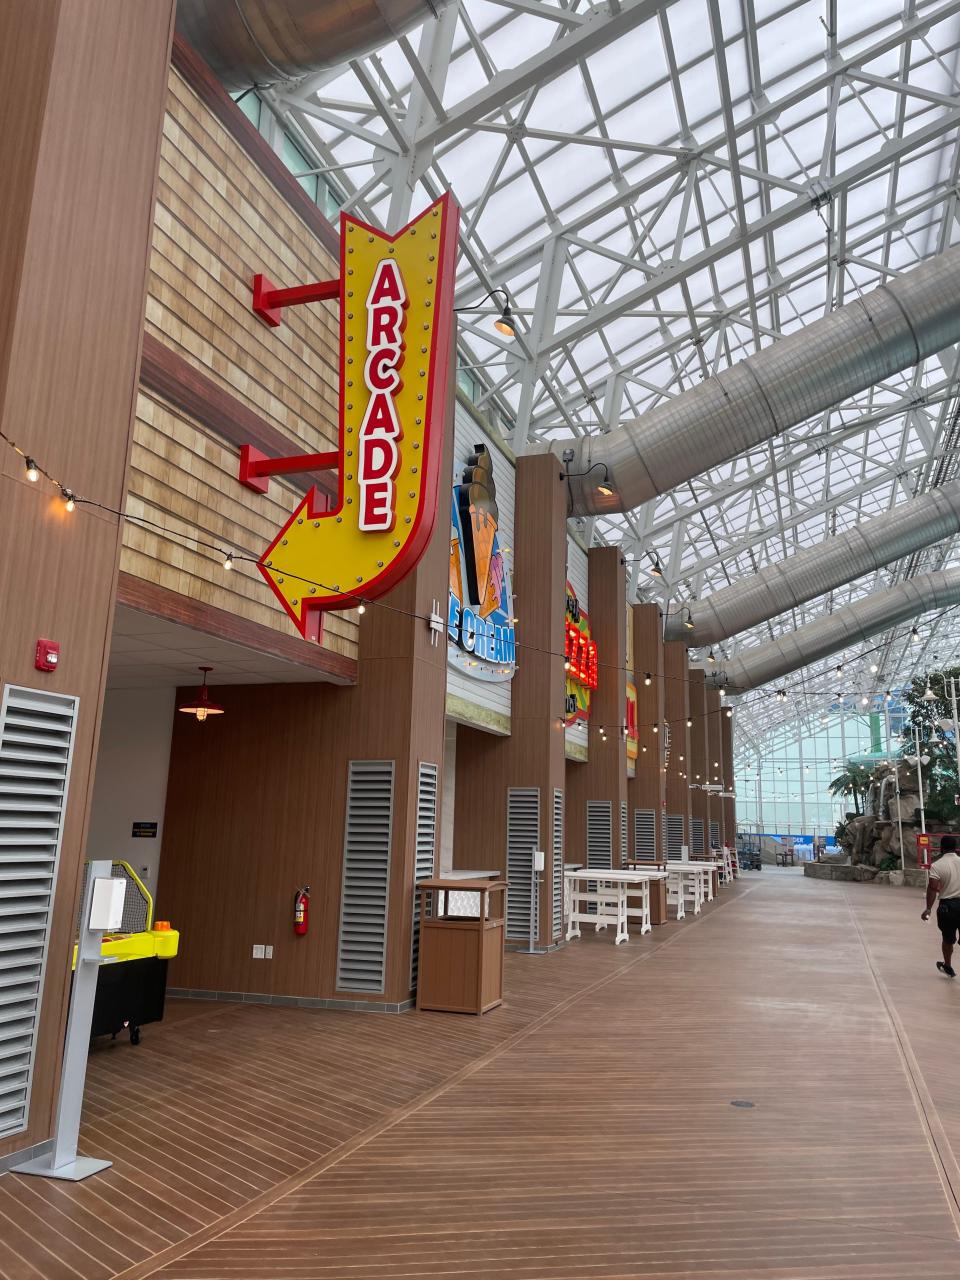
{"x": 256, "y": 803}
{"x": 715, "y": 711}
{"x": 677, "y": 700}
{"x": 533, "y": 755}
{"x": 603, "y": 775}
{"x": 726, "y": 761}
{"x": 648, "y": 789}
{"x": 699, "y": 807}
{"x": 84, "y": 88}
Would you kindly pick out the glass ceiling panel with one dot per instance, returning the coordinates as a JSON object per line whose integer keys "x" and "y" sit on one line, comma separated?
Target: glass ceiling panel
{"x": 595, "y": 151}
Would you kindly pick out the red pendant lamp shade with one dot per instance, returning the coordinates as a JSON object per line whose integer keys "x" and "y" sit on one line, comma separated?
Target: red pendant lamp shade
{"x": 200, "y": 705}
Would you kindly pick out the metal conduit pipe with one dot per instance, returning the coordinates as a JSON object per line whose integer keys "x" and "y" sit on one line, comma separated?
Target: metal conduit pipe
{"x": 855, "y": 622}
{"x": 796, "y": 377}
{"x": 264, "y": 42}
{"x": 910, "y": 527}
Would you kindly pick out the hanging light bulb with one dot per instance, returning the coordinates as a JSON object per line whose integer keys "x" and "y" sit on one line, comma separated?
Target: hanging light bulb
{"x": 647, "y": 679}
{"x": 361, "y": 608}
{"x": 874, "y": 668}
{"x": 689, "y": 724}
{"x": 864, "y": 701}
{"x": 722, "y": 691}
{"x": 69, "y": 501}
{"x": 729, "y": 713}
{"x": 200, "y": 705}
{"x": 710, "y": 658}
{"x": 914, "y": 634}
{"x": 839, "y": 671}
{"x": 228, "y": 560}
{"x": 33, "y": 471}
{"x": 888, "y": 696}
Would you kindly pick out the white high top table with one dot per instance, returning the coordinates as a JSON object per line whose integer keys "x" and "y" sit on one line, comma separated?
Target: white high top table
{"x": 606, "y": 889}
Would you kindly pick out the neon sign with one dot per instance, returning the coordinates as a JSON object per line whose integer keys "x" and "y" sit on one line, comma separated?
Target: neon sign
{"x": 580, "y": 660}
{"x": 396, "y": 304}
{"x": 633, "y": 732}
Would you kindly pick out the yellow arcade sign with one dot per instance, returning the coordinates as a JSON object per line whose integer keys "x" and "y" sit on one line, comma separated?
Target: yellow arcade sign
{"x": 396, "y": 339}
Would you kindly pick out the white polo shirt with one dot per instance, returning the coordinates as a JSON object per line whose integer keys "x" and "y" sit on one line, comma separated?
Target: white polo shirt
{"x": 946, "y": 872}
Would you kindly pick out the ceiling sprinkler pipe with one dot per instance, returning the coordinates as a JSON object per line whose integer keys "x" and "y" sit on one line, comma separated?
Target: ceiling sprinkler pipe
{"x": 265, "y": 42}
{"x": 909, "y": 528}
{"x": 798, "y": 376}
{"x": 851, "y": 625}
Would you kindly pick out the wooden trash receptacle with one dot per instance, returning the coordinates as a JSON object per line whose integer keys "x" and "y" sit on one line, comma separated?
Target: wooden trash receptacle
{"x": 461, "y": 945}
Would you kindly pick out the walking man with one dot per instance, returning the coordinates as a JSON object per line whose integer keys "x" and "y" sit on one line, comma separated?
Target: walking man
{"x": 945, "y": 881}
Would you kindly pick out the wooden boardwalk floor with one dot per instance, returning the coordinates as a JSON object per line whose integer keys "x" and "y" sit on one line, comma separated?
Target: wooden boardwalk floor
{"x": 585, "y": 1131}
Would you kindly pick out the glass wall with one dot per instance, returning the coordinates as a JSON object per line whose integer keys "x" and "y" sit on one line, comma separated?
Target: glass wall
{"x": 785, "y": 789}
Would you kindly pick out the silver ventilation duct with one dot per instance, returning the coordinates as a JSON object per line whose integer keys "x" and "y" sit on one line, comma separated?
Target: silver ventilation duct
{"x": 855, "y": 622}
{"x": 263, "y": 42}
{"x": 908, "y": 528}
{"x": 796, "y": 377}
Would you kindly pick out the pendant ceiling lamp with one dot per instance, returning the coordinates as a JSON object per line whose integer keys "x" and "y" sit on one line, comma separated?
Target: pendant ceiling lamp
{"x": 200, "y": 705}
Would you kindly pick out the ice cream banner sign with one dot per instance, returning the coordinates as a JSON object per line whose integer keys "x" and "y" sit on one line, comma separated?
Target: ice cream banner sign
{"x": 395, "y": 294}
{"x": 580, "y": 660}
{"x": 480, "y": 627}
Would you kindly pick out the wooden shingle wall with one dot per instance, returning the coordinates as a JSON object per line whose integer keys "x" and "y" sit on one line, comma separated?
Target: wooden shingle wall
{"x": 184, "y": 478}
{"x": 219, "y": 221}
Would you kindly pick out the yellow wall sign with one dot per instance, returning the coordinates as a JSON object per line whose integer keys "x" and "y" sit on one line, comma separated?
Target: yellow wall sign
{"x": 396, "y": 344}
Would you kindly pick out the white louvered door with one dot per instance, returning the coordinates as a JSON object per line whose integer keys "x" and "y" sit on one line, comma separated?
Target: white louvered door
{"x": 673, "y": 842}
{"x": 697, "y": 836}
{"x": 624, "y": 833}
{"x": 523, "y": 836}
{"x": 599, "y": 833}
{"x": 362, "y": 948}
{"x": 36, "y": 750}
{"x": 425, "y": 853}
{"x": 557, "y": 863}
{"x": 644, "y": 834}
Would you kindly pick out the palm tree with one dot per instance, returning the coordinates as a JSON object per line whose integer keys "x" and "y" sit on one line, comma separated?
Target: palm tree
{"x": 851, "y": 782}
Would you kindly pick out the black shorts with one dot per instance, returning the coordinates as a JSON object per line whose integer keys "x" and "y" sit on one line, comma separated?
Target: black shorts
{"x": 948, "y": 919}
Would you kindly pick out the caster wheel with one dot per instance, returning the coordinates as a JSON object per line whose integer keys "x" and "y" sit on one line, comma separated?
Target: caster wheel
{"x": 134, "y": 1035}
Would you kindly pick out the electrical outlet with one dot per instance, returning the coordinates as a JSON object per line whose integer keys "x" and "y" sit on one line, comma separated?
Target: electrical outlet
{"x": 268, "y": 953}
{"x": 258, "y": 951}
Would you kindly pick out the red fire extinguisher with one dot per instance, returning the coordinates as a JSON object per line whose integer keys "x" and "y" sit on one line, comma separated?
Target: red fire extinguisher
{"x": 301, "y": 910}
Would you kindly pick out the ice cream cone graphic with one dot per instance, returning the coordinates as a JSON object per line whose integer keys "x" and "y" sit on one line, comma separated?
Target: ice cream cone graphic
{"x": 479, "y": 517}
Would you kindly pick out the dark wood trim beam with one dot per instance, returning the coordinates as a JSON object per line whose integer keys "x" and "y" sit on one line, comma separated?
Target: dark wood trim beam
{"x": 211, "y": 92}
{"x": 163, "y": 603}
{"x": 169, "y": 375}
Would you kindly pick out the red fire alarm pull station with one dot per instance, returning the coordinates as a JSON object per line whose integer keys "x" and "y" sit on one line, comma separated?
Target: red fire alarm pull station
{"x": 48, "y": 655}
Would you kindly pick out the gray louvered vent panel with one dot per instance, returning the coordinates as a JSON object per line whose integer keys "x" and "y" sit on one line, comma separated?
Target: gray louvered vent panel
{"x": 696, "y": 836}
{"x": 36, "y": 749}
{"x": 645, "y": 834}
{"x": 599, "y": 833}
{"x": 673, "y": 841}
{"x": 426, "y": 851}
{"x": 362, "y": 949}
{"x": 523, "y": 836}
{"x": 715, "y": 834}
{"x": 557, "y": 863}
{"x": 624, "y": 832}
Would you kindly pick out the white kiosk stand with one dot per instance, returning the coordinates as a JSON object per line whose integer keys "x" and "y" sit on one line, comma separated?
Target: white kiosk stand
{"x": 102, "y": 912}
